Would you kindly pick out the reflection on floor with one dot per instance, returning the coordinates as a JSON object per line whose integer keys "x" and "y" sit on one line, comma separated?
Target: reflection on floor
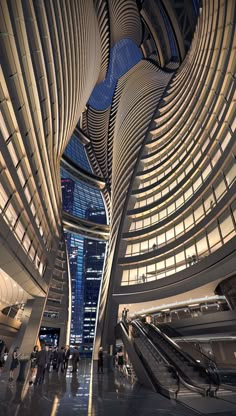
{"x": 109, "y": 394}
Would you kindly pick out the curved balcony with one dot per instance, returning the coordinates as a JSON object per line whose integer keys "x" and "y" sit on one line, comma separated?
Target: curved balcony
{"x": 86, "y": 228}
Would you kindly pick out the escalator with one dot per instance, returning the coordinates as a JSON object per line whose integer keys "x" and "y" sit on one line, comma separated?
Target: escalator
{"x": 224, "y": 373}
{"x": 189, "y": 370}
{"x": 156, "y": 368}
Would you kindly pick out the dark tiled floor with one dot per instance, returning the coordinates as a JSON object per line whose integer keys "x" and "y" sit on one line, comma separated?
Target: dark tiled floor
{"x": 109, "y": 394}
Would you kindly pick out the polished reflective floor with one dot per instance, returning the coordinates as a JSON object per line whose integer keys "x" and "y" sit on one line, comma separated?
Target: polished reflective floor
{"x": 108, "y": 394}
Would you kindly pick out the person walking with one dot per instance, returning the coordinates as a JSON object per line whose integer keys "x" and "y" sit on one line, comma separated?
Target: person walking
{"x": 41, "y": 362}
{"x": 50, "y": 359}
{"x": 67, "y": 357}
{"x": 100, "y": 360}
{"x": 14, "y": 363}
{"x": 33, "y": 365}
{"x": 61, "y": 359}
{"x": 75, "y": 359}
{"x": 54, "y": 355}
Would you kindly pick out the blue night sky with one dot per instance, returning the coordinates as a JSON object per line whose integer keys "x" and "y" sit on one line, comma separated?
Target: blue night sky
{"x": 123, "y": 56}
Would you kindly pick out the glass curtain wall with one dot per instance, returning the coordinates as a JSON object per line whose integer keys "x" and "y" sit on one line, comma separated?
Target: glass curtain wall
{"x": 86, "y": 256}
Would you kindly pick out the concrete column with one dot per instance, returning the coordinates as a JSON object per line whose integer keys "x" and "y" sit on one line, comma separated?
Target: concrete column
{"x": 27, "y": 335}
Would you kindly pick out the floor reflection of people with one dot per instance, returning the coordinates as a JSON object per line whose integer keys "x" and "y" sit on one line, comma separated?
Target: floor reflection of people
{"x": 9, "y": 394}
{"x": 100, "y": 388}
{"x": 74, "y": 384}
{"x": 100, "y": 360}
{"x": 18, "y": 393}
{"x": 63, "y": 385}
{"x": 119, "y": 387}
{"x": 75, "y": 360}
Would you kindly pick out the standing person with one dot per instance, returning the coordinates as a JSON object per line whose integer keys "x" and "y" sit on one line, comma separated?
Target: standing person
{"x": 54, "y": 354}
{"x": 124, "y": 314}
{"x": 67, "y": 357}
{"x": 47, "y": 367}
{"x": 50, "y": 359}
{"x": 41, "y": 362}
{"x": 33, "y": 365}
{"x": 120, "y": 359}
{"x": 61, "y": 359}
{"x": 75, "y": 360}
{"x": 100, "y": 360}
{"x": 14, "y": 363}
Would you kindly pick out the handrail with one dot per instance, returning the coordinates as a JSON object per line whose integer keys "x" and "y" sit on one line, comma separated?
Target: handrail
{"x": 190, "y": 386}
{"x": 221, "y": 362}
{"x": 193, "y": 385}
{"x": 221, "y": 382}
{"x": 135, "y": 324}
{"x": 176, "y": 346}
{"x": 214, "y": 381}
{"x": 213, "y": 369}
{"x": 125, "y": 324}
{"x": 186, "y": 342}
{"x": 153, "y": 345}
{"x": 148, "y": 381}
{"x": 178, "y": 379}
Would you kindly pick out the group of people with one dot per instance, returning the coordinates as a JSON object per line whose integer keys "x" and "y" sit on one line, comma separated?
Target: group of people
{"x": 45, "y": 358}
{"x": 58, "y": 359}
{"x": 192, "y": 260}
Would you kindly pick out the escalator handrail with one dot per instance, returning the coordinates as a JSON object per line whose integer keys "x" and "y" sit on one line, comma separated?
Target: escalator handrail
{"x": 212, "y": 365}
{"x": 153, "y": 376}
{"x": 221, "y": 384}
{"x": 148, "y": 368}
{"x": 225, "y": 368}
{"x": 187, "y": 342}
{"x": 126, "y": 337}
{"x": 214, "y": 382}
{"x": 188, "y": 383}
{"x": 178, "y": 348}
{"x": 137, "y": 326}
{"x": 125, "y": 325}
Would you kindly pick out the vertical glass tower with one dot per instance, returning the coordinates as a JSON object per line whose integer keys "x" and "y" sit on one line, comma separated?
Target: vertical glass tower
{"x": 86, "y": 255}
{"x": 94, "y": 252}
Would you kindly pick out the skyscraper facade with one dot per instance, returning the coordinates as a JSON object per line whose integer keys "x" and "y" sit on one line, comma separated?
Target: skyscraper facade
{"x": 93, "y": 268}
{"x": 75, "y": 245}
{"x": 86, "y": 256}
